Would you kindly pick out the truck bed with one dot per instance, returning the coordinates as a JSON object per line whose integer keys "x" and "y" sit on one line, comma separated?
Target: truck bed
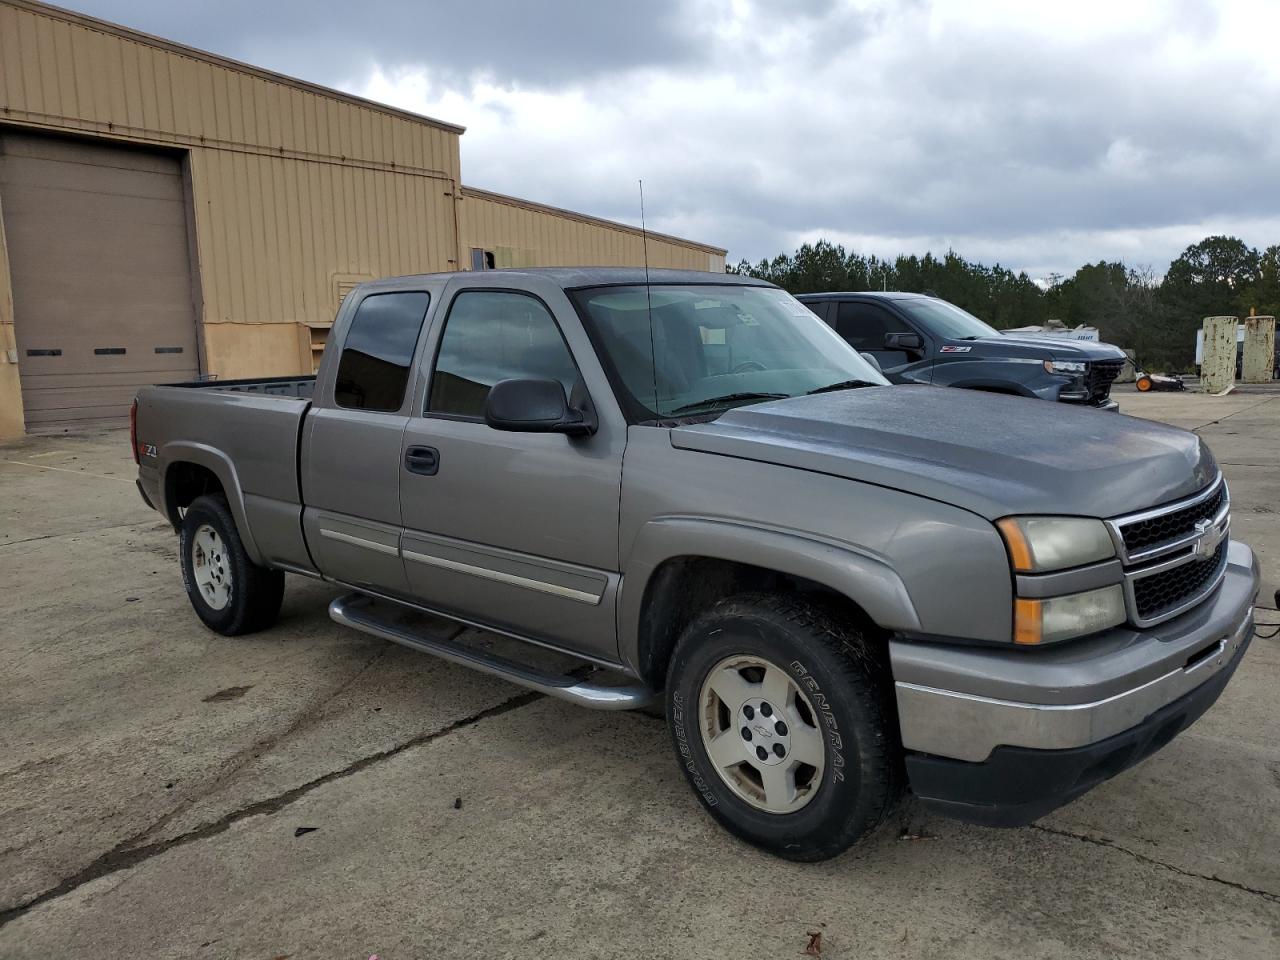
{"x": 293, "y": 387}
{"x": 247, "y": 432}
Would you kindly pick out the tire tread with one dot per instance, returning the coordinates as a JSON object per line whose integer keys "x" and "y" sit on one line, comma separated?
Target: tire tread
{"x": 257, "y": 591}
{"x": 863, "y": 667}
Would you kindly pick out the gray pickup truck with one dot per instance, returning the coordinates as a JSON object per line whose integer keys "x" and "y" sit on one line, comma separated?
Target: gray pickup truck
{"x": 693, "y": 489}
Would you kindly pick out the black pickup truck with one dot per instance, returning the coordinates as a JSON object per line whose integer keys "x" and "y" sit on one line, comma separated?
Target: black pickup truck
{"x": 920, "y": 339}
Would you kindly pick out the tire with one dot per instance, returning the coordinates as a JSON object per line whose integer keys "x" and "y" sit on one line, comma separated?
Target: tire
{"x": 837, "y": 706}
{"x": 229, "y": 592}
{"x": 1143, "y": 383}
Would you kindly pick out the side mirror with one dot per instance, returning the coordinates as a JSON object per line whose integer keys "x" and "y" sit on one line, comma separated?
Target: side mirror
{"x": 534, "y": 406}
{"x": 871, "y": 359}
{"x": 902, "y": 341}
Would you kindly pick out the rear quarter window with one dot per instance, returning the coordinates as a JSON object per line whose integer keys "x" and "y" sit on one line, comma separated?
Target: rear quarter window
{"x": 373, "y": 370}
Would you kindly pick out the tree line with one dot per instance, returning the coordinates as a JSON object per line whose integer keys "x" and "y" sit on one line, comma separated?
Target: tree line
{"x": 1157, "y": 316}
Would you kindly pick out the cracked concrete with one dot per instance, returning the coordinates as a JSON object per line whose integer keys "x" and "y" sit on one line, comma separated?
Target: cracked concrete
{"x": 146, "y": 815}
{"x": 134, "y": 850}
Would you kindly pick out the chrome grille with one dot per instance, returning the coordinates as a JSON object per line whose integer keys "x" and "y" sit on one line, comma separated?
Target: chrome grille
{"x": 1169, "y": 589}
{"x": 1167, "y": 527}
{"x": 1174, "y": 555}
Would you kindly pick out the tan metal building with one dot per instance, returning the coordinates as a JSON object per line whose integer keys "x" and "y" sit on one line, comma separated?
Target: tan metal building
{"x": 166, "y": 213}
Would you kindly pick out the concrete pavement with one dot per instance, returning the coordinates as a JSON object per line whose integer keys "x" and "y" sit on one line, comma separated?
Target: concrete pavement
{"x": 154, "y": 777}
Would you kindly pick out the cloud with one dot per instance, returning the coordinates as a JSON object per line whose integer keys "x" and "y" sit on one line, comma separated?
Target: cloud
{"x": 332, "y": 41}
{"x": 1040, "y": 137}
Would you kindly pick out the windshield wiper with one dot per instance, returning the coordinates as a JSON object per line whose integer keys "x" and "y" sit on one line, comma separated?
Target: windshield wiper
{"x": 844, "y": 385}
{"x": 727, "y": 398}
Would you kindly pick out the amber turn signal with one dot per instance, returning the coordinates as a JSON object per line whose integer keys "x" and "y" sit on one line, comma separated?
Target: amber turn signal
{"x": 1016, "y": 541}
{"x": 1028, "y": 621}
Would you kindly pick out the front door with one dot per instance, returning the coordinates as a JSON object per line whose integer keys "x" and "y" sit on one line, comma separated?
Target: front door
{"x": 864, "y": 325}
{"x": 517, "y": 531}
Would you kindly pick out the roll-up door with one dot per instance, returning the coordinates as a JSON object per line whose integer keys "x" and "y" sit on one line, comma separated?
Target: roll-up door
{"x": 98, "y": 254}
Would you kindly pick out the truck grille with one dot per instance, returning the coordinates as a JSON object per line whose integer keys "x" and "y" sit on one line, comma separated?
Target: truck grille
{"x": 1098, "y": 380}
{"x": 1167, "y": 527}
{"x": 1163, "y": 550}
{"x": 1170, "y": 589}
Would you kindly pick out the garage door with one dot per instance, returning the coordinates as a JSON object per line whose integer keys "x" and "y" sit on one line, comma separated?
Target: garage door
{"x": 97, "y": 241}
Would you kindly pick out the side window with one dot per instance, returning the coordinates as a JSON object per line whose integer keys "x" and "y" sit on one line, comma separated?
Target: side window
{"x": 374, "y": 368}
{"x": 864, "y": 325}
{"x": 819, "y": 307}
{"x": 490, "y": 336}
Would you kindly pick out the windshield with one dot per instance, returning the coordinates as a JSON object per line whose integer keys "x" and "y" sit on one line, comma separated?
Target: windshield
{"x": 714, "y": 347}
{"x": 946, "y": 320}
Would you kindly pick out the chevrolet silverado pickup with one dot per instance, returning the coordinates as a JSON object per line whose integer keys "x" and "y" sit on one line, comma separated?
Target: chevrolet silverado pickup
{"x": 687, "y": 488}
{"x": 920, "y": 339}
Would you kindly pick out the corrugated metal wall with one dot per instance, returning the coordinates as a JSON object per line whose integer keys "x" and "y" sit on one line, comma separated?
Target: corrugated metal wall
{"x": 296, "y": 191}
{"x": 521, "y": 234}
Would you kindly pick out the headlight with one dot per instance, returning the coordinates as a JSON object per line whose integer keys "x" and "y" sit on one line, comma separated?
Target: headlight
{"x": 1074, "y": 615}
{"x": 1064, "y": 366}
{"x": 1042, "y": 544}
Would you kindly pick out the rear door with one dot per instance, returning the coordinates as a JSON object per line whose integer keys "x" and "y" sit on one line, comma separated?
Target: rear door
{"x": 514, "y": 530}
{"x": 864, "y": 324}
{"x": 351, "y": 449}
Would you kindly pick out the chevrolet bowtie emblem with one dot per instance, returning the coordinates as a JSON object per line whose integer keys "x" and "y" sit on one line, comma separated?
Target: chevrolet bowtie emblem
{"x": 1210, "y": 537}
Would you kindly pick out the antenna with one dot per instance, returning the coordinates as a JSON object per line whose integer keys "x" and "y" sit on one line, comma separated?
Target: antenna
{"x": 648, "y": 299}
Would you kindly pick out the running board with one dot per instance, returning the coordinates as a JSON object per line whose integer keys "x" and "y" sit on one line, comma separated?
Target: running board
{"x": 362, "y": 613}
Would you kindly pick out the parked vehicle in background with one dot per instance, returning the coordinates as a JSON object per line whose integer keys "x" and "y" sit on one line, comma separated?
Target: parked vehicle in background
{"x": 686, "y": 486}
{"x": 921, "y": 339}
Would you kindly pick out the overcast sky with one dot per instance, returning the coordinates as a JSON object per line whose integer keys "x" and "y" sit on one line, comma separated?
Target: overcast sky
{"x": 1038, "y": 135}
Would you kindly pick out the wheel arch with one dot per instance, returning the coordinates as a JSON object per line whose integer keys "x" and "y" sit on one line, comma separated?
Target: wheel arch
{"x": 192, "y": 470}
{"x": 682, "y": 566}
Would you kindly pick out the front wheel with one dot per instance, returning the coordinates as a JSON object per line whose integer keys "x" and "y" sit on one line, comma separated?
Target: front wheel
{"x": 229, "y": 592}
{"x": 784, "y": 725}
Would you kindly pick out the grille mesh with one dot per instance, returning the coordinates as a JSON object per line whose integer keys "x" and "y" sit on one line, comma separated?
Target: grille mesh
{"x": 1170, "y": 526}
{"x": 1160, "y": 592}
{"x": 1102, "y": 373}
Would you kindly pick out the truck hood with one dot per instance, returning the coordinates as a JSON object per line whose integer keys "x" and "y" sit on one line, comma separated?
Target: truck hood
{"x": 992, "y": 455}
{"x": 1040, "y": 348}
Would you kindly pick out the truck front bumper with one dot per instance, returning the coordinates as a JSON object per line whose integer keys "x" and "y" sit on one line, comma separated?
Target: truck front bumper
{"x": 1002, "y": 736}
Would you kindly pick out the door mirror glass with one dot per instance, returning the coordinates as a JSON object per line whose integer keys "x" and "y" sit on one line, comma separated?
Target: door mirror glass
{"x": 902, "y": 341}
{"x": 533, "y": 406}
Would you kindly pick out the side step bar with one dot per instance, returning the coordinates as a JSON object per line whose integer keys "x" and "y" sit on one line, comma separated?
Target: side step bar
{"x": 361, "y": 613}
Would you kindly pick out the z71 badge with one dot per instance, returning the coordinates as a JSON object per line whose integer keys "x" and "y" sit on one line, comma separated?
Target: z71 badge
{"x": 955, "y": 349}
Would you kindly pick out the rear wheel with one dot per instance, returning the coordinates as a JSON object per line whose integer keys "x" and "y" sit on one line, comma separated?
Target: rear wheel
{"x": 783, "y": 722}
{"x": 228, "y": 591}
{"x": 1143, "y": 383}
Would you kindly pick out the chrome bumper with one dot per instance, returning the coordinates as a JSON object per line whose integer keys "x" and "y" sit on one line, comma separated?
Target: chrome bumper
{"x": 963, "y": 702}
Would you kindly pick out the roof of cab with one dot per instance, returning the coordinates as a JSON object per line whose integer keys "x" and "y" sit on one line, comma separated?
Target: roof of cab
{"x": 572, "y": 277}
{"x": 872, "y": 294}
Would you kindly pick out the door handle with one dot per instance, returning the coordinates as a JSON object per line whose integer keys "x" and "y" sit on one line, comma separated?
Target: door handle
{"x": 423, "y": 460}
